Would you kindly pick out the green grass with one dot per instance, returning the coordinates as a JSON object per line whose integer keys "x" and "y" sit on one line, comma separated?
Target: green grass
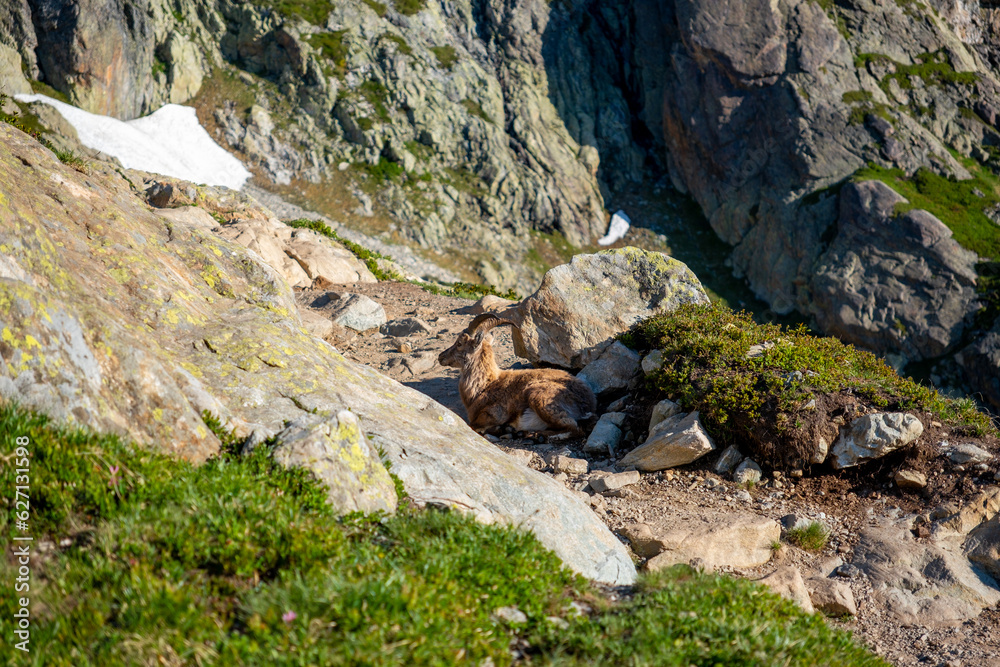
{"x": 854, "y": 96}
{"x": 934, "y": 69}
{"x": 30, "y": 125}
{"x": 383, "y": 170}
{"x": 409, "y": 7}
{"x": 312, "y": 11}
{"x": 755, "y": 402}
{"x": 369, "y": 257}
{"x": 45, "y": 89}
{"x": 812, "y": 537}
{"x": 401, "y": 44}
{"x": 377, "y": 95}
{"x": 446, "y": 56}
{"x": 331, "y": 47}
{"x": 241, "y": 562}
{"x": 377, "y": 7}
{"x": 475, "y": 109}
{"x": 953, "y": 202}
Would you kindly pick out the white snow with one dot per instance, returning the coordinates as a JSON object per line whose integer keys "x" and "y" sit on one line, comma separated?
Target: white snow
{"x": 617, "y": 229}
{"x": 169, "y": 141}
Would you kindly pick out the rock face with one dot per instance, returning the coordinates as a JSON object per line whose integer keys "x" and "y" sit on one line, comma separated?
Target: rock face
{"x": 581, "y": 306}
{"x": 981, "y": 363}
{"x": 336, "y": 450}
{"x": 893, "y": 282}
{"x": 673, "y": 442}
{"x": 114, "y": 318}
{"x": 874, "y": 436}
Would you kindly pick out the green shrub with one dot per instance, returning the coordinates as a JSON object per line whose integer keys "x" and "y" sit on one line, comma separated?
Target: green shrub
{"x": 757, "y": 402}
{"x": 475, "y": 109}
{"x": 312, "y": 11}
{"x": 400, "y": 43}
{"x": 377, "y": 7}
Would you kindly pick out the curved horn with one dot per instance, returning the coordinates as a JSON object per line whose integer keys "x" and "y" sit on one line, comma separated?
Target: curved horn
{"x": 487, "y": 321}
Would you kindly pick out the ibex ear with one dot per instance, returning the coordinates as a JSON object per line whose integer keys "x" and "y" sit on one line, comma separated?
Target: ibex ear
{"x": 482, "y": 336}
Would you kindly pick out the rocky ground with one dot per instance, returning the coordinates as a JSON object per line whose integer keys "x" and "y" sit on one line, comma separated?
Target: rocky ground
{"x": 850, "y": 503}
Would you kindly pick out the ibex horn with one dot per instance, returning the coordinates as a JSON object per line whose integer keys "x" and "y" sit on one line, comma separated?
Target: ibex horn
{"x": 487, "y": 321}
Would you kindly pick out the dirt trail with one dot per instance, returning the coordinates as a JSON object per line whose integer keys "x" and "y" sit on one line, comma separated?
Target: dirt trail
{"x": 847, "y": 502}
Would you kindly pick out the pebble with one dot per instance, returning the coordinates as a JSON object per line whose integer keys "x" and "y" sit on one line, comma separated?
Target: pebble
{"x": 511, "y": 615}
{"x": 744, "y": 496}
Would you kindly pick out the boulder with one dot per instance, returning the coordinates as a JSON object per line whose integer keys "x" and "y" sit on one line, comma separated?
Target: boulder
{"x": 339, "y": 454}
{"x": 326, "y": 260}
{"x": 614, "y": 370}
{"x": 193, "y": 216}
{"x": 581, "y": 306}
{"x": 301, "y": 256}
{"x": 719, "y": 539}
{"x": 674, "y": 442}
{"x": 607, "y": 435}
{"x": 490, "y": 303}
{"x": 787, "y": 582}
{"x": 182, "y": 320}
{"x": 873, "y": 436}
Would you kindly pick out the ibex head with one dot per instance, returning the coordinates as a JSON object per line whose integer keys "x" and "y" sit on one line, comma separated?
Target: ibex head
{"x": 471, "y": 339}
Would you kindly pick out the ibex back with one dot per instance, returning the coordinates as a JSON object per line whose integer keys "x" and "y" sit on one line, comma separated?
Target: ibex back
{"x": 529, "y": 400}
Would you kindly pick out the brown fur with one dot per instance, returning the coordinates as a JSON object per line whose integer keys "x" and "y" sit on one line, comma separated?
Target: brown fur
{"x": 493, "y": 397}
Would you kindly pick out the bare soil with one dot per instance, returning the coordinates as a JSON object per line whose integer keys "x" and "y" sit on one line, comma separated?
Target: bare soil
{"x": 846, "y": 501}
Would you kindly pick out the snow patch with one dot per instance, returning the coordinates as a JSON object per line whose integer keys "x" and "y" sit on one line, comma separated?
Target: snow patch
{"x": 169, "y": 141}
{"x": 617, "y": 229}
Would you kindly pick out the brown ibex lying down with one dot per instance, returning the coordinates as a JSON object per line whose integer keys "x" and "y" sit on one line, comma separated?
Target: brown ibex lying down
{"x": 541, "y": 399}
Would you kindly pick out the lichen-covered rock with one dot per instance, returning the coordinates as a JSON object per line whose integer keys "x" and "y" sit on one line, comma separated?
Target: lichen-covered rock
{"x": 114, "y": 318}
{"x": 581, "y": 306}
{"x": 337, "y": 452}
{"x": 873, "y": 436}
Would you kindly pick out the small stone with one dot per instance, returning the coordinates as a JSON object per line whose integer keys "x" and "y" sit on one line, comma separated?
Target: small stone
{"x": 567, "y": 465}
{"x": 607, "y": 435}
{"x": 728, "y": 459}
{"x": 560, "y": 477}
{"x": 614, "y": 481}
{"x": 560, "y": 623}
{"x": 652, "y": 361}
{"x": 511, "y": 615}
{"x": 711, "y": 483}
{"x": 968, "y": 453}
{"x": 663, "y": 410}
{"x": 787, "y": 582}
{"x": 744, "y": 496}
{"x": 831, "y": 596}
{"x": 796, "y": 474}
{"x": 613, "y": 370}
{"x": 747, "y": 472}
{"x": 405, "y": 327}
{"x": 909, "y": 480}
{"x": 788, "y": 521}
{"x": 847, "y": 571}
{"x": 675, "y": 441}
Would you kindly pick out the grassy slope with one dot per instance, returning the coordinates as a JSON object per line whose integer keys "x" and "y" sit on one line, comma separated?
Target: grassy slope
{"x": 172, "y": 564}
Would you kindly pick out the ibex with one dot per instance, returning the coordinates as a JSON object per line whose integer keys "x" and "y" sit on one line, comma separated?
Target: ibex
{"x": 540, "y": 399}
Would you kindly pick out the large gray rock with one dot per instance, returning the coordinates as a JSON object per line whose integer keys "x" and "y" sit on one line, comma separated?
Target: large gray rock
{"x": 981, "y": 363}
{"x": 142, "y": 345}
{"x": 674, "y": 442}
{"x": 892, "y": 282}
{"x": 339, "y": 454}
{"x": 581, "y": 306}
{"x": 873, "y": 436}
